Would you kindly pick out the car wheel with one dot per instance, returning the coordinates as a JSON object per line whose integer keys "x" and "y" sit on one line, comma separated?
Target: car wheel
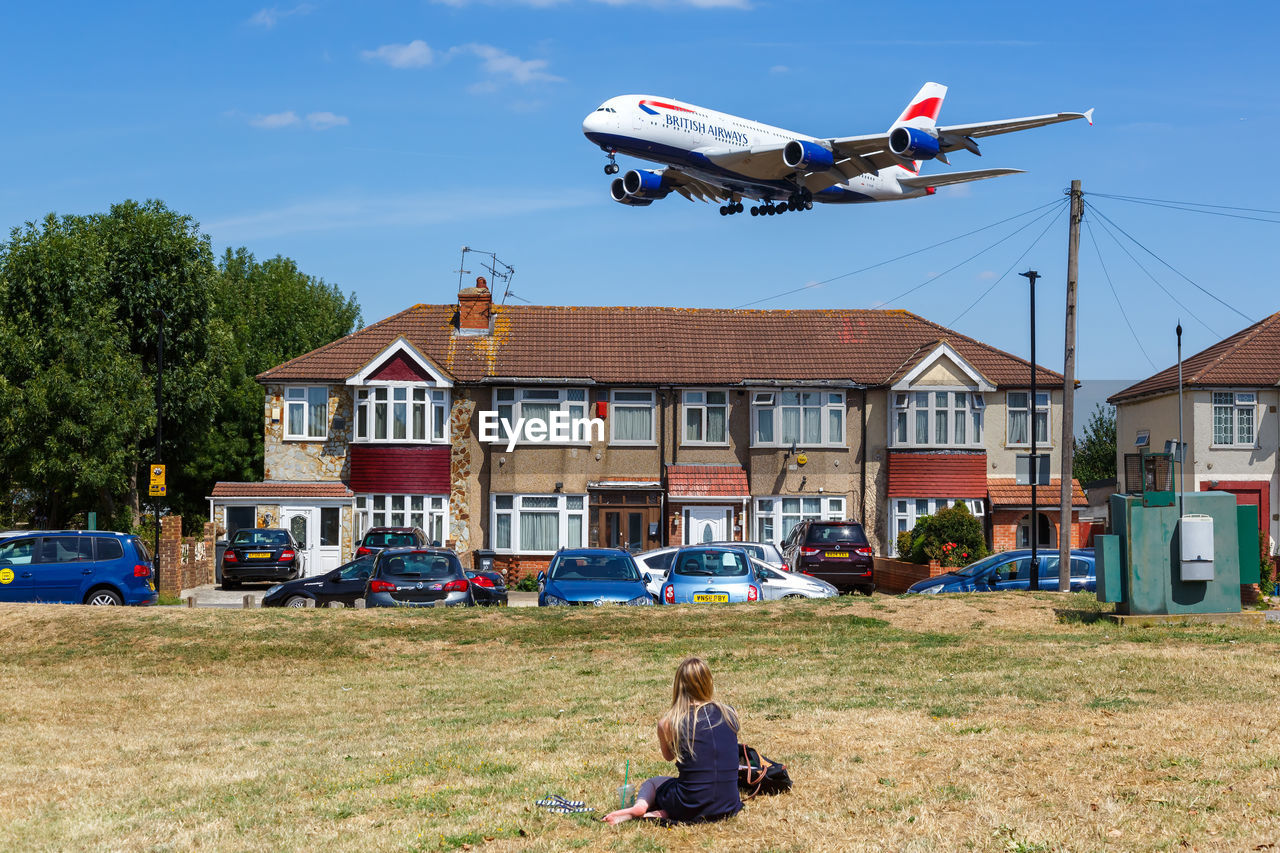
{"x": 105, "y": 597}
{"x": 230, "y": 584}
{"x": 296, "y": 601}
{"x": 867, "y": 590}
{"x": 791, "y": 595}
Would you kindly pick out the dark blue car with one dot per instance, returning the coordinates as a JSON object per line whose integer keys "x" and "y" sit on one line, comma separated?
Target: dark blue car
{"x": 1012, "y": 570}
{"x": 592, "y": 576}
{"x": 76, "y": 567}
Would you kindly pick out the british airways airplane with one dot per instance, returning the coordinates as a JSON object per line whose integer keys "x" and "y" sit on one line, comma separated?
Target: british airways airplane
{"x": 713, "y": 155}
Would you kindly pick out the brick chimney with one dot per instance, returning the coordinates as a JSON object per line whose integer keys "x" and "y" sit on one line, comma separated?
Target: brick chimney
{"x": 475, "y": 306}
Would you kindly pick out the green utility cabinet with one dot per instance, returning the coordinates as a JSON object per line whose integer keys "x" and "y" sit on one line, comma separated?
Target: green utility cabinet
{"x": 1144, "y": 569}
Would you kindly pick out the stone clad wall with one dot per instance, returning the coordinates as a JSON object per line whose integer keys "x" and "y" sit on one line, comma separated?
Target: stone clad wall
{"x": 322, "y": 460}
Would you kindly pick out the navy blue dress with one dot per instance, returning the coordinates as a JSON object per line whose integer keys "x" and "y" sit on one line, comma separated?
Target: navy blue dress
{"x": 707, "y": 787}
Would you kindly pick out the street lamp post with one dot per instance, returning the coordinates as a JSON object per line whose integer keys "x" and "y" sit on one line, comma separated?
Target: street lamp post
{"x": 155, "y": 557}
{"x": 1033, "y": 468}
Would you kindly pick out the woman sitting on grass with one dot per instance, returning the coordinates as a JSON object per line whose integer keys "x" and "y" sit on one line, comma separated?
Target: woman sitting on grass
{"x": 700, "y": 734}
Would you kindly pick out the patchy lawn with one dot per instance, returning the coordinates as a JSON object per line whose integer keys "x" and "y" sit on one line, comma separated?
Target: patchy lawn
{"x": 1002, "y": 722}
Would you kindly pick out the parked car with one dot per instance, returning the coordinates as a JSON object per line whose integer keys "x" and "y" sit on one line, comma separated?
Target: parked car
{"x": 76, "y": 567}
{"x": 344, "y": 584}
{"x": 418, "y": 577}
{"x": 835, "y": 551}
{"x": 776, "y": 584}
{"x": 377, "y": 538}
{"x": 488, "y": 588}
{"x": 592, "y": 576}
{"x": 710, "y": 574}
{"x": 765, "y": 552}
{"x": 656, "y": 564}
{"x": 261, "y": 554}
{"x": 1012, "y": 570}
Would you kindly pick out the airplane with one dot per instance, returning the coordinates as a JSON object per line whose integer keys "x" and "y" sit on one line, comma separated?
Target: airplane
{"x": 710, "y": 155}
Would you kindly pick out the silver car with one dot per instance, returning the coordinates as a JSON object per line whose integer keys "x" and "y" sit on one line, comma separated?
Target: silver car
{"x": 777, "y": 584}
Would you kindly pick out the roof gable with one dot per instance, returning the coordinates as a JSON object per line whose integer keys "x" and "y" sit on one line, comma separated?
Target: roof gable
{"x": 400, "y": 362}
{"x": 945, "y": 366}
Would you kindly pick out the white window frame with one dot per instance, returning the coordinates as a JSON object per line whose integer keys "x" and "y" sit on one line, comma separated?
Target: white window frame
{"x": 961, "y": 406}
{"x": 508, "y": 402}
{"x": 769, "y": 406}
{"x": 905, "y": 512}
{"x": 1044, "y": 409}
{"x": 422, "y": 397}
{"x": 301, "y": 397}
{"x": 631, "y": 398}
{"x": 697, "y": 401}
{"x": 429, "y": 512}
{"x": 770, "y": 515}
{"x": 1242, "y": 404}
{"x": 505, "y": 511}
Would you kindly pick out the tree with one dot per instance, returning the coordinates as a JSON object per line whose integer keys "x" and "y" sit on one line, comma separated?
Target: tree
{"x": 1095, "y": 454}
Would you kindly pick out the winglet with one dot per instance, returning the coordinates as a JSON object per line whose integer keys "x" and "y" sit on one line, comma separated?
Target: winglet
{"x": 1088, "y": 115}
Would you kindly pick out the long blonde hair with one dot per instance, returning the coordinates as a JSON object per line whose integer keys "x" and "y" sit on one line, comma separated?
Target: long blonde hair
{"x": 691, "y": 692}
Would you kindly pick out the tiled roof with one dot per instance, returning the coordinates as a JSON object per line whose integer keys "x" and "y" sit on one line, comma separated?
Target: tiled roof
{"x": 1004, "y": 491}
{"x": 1249, "y": 358}
{"x": 670, "y": 345}
{"x": 707, "y": 481}
{"x": 281, "y": 489}
{"x": 937, "y": 475}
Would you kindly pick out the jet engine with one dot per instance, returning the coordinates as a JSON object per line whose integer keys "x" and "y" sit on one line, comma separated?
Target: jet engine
{"x": 619, "y": 193}
{"x": 809, "y": 156}
{"x": 644, "y": 184}
{"x": 911, "y": 143}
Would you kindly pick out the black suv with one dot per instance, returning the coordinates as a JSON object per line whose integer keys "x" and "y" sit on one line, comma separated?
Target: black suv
{"x": 261, "y": 554}
{"x": 377, "y": 538}
{"x": 834, "y": 551}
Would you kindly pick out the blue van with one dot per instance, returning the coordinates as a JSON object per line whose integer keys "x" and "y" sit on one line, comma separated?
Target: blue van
{"x": 76, "y": 567}
{"x": 1012, "y": 570}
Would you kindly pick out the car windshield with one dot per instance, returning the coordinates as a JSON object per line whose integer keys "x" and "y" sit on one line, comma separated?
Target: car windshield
{"x": 423, "y": 565}
{"x": 842, "y": 533}
{"x": 980, "y": 566}
{"x": 603, "y": 567}
{"x": 268, "y": 538}
{"x": 389, "y": 539}
{"x": 716, "y": 563}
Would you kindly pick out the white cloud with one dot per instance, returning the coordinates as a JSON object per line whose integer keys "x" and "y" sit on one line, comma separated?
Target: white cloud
{"x": 326, "y": 120}
{"x": 268, "y": 18}
{"x": 415, "y": 54}
{"x": 986, "y": 275}
{"x": 274, "y": 121}
{"x": 779, "y": 69}
{"x": 499, "y": 63}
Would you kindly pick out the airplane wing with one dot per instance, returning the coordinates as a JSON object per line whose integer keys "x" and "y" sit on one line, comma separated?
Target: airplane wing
{"x": 943, "y": 180}
{"x": 763, "y": 162}
{"x": 693, "y": 188}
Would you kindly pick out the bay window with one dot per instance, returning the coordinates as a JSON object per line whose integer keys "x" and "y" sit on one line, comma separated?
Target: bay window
{"x": 537, "y": 524}
{"x": 801, "y": 418}
{"x": 706, "y": 417}
{"x": 1018, "y": 417}
{"x": 775, "y": 516}
{"x": 1233, "y": 418}
{"x": 306, "y": 412}
{"x": 429, "y": 512}
{"x": 937, "y": 418}
{"x": 631, "y": 417}
{"x": 406, "y": 412}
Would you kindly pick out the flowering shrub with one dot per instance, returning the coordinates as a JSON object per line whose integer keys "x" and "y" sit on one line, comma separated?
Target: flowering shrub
{"x": 952, "y": 536}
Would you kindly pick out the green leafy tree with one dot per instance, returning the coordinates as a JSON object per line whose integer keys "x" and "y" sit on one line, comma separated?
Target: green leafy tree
{"x": 1095, "y": 454}
{"x": 952, "y": 536}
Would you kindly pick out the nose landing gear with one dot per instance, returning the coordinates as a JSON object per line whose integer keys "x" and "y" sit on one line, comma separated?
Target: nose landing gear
{"x": 611, "y": 168}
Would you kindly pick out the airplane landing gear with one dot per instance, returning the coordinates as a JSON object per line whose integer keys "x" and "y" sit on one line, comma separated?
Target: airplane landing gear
{"x": 611, "y": 168}
{"x": 733, "y": 207}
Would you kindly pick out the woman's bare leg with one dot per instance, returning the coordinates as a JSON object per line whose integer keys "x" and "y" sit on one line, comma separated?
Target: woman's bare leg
{"x": 646, "y": 795}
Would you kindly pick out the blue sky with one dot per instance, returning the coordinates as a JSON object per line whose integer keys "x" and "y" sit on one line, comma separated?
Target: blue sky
{"x": 370, "y": 141}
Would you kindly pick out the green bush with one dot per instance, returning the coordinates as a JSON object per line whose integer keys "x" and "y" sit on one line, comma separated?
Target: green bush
{"x": 528, "y": 583}
{"x": 1266, "y": 570}
{"x": 952, "y": 536}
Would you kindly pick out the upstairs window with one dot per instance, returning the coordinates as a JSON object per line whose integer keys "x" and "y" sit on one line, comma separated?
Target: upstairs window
{"x": 800, "y": 418}
{"x": 1233, "y": 416}
{"x": 706, "y": 417}
{"x": 401, "y": 413}
{"x": 306, "y": 412}
{"x": 1019, "y": 414}
{"x": 631, "y": 414}
{"x": 937, "y": 418}
{"x": 538, "y": 404}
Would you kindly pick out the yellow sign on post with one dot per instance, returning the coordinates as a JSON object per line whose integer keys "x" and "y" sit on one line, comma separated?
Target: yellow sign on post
{"x": 157, "y": 481}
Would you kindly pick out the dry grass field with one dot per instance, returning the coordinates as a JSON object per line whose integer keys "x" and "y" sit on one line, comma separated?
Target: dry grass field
{"x": 996, "y": 722}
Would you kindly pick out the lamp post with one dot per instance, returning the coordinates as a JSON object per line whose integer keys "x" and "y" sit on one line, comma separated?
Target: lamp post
{"x": 1033, "y": 468}
{"x": 155, "y": 557}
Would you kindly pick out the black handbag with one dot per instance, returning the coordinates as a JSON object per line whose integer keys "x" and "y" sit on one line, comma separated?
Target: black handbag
{"x": 759, "y": 775}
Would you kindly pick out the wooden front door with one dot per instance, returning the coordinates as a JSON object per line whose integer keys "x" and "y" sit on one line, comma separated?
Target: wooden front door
{"x": 630, "y": 520}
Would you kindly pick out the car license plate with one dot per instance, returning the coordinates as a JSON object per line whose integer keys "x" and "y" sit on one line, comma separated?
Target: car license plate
{"x": 836, "y": 554}
{"x": 700, "y": 597}
{"x": 258, "y": 555}
{"x": 152, "y": 585}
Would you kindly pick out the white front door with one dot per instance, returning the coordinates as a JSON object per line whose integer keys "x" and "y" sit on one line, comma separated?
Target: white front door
{"x": 301, "y": 522}
{"x": 707, "y": 524}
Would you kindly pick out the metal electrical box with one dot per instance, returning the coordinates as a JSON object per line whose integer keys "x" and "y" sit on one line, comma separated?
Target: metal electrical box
{"x": 1195, "y": 532}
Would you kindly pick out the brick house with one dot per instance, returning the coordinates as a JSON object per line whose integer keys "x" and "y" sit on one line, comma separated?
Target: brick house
{"x": 1230, "y": 425}
{"x": 714, "y": 424}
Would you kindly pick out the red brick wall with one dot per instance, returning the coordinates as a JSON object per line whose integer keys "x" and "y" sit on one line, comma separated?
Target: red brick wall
{"x": 1004, "y": 529}
{"x": 894, "y": 576}
{"x": 514, "y": 567}
{"x": 185, "y": 563}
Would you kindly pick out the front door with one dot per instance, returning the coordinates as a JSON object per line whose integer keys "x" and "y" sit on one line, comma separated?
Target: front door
{"x": 301, "y": 522}
{"x": 707, "y": 524}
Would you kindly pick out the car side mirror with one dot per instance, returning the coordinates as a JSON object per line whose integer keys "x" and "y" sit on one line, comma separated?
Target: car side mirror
{"x": 648, "y": 578}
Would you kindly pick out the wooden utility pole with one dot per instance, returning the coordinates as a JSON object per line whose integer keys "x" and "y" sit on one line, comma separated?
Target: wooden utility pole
{"x": 1068, "y": 389}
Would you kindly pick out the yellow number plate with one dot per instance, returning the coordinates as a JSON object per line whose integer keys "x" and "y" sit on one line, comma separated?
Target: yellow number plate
{"x": 258, "y": 555}
{"x": 700, "y": 597}
{"x": 836, "y": 554}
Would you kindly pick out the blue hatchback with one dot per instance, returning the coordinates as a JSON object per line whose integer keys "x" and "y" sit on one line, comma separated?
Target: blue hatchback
{"x": 592, "y": 576}
{"x": 709, "y": 574}
{"x": 76, "y": 567}
{"x": 1012, "y": 570}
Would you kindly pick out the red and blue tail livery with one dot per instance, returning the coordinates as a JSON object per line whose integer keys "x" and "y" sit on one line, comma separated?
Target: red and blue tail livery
{"x": 714, "y": 156}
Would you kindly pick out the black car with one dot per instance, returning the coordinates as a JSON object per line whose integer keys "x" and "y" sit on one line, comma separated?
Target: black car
{"x": 344, "y": 584}
{"x": 377, "y": 538}
{"x": 834, "y": 551}
{"x": 418, "y": 577}
{"x": 260, "y": 554}
{"x": 488, "y": 588}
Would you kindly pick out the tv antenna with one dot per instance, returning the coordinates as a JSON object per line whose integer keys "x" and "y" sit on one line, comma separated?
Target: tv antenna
{"x": 498, "y": 271}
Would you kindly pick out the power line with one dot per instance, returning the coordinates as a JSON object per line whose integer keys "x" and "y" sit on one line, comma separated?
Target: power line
{"x": 1190, "y": 206}
{"x": 814, "y": 284}
{"x": 1170, "y": 266}
{"x": 932, "y": 279}
{"x": 1056, "y": 213}
{"x": 1155, "y": 280}
{"x": 1093, "y": 239}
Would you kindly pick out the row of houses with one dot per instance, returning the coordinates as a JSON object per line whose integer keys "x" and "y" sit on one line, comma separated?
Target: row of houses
{"x": 710, "y": 424}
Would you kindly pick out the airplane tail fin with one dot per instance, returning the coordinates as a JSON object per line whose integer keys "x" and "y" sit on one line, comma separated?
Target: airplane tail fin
{"x": 921, "y": 112}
